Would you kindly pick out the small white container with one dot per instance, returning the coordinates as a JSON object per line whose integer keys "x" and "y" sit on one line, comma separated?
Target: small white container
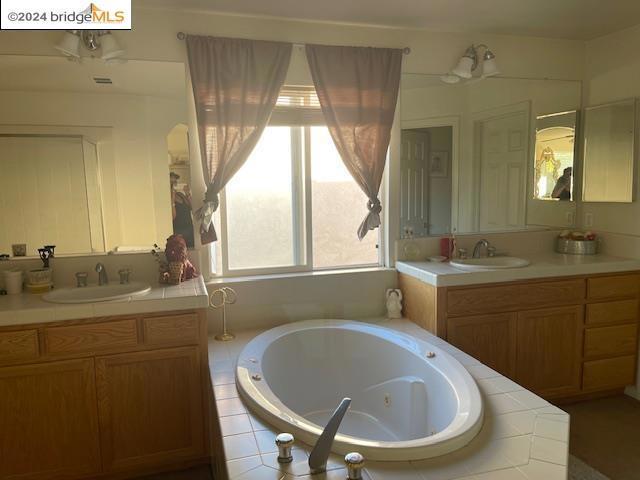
{"x": 13, "y": 281}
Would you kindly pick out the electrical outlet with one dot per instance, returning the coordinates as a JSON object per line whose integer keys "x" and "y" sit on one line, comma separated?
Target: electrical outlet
{"x": 569, "y": 218}
{"x": 588, "y": 220}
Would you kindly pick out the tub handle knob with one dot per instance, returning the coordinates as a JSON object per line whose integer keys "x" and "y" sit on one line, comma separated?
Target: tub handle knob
{"x": 355, "y": 464}
{"x": 284, "y": 442}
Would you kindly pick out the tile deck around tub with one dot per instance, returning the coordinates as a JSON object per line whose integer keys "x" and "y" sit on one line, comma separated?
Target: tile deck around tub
{"x": 523, "y": 437}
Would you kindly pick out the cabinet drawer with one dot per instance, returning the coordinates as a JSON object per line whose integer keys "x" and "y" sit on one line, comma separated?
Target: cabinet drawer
{"x": 91, "y": 337}
{"x": 174, "y": 329}
{"x": 18, "y": 346}
{"x": 610, "y": 341}
{"x": 609, "y": 373}
{"x": 615, "y": 286}
{"x": 515, "y": 297}
{"x": 612, "y": 312}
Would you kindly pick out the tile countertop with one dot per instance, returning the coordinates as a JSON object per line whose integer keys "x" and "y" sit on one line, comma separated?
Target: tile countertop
{"x": 542, "y": 266}
{"x": 523, "y": 436}
{"x": 28, "y": 308}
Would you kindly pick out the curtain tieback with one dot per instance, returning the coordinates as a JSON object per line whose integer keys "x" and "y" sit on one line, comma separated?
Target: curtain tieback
{"x": 205, "y": 216}
{"x": 374, "y": 206}
{"x": 372, "y": 220}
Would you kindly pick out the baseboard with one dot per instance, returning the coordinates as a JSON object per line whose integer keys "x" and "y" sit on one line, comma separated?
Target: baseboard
{"x": 632, "y": 391}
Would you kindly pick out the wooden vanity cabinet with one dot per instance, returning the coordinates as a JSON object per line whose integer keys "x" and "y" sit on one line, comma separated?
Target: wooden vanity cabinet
{"x": 49, "y": 421}
{"x": 563, "y": 338}
{"x": 107, "y": 398}
{"x": 548, "y": 350}
{"x": 490, "y": 338}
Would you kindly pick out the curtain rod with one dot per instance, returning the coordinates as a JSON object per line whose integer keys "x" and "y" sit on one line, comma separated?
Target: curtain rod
{"x": 182, "y": 36}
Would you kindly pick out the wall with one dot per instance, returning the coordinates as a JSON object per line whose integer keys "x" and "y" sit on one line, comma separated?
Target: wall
{"x": 134, "y": 165}
{"x": 154, "y": 38}
{"x": 612, "y": 69}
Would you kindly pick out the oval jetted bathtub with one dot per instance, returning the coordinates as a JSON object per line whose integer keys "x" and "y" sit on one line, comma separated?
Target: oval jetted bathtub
{"x": 406, "y": 403}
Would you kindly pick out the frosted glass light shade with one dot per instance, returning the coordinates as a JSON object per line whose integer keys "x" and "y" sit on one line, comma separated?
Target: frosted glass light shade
{"x": 70, "y": 44}
{"x": 450, "y": 78}
{"x": 490, "y": 68}
{"x": 463, "y": 69}
{"x": 110, "y": 47}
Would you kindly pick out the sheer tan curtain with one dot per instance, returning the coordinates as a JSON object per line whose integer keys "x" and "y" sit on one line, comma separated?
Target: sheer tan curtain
{"x": 235, "y": 87}
{"x": 358, "y": 89}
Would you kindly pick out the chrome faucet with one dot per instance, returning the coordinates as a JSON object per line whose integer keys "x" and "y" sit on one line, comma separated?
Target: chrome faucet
{"x": 482, "y": 243}
{"x": 103, "y": 279}
{"x": 320, "y": 453}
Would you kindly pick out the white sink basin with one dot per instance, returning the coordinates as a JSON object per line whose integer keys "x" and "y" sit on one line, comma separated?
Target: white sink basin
{"x": 489, "y": 263}
{"x": 94, "y": 293}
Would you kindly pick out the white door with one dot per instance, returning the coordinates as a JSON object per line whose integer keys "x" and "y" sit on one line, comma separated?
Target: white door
{"x": 503, "y": 171}
{"x": 414, "y": 181}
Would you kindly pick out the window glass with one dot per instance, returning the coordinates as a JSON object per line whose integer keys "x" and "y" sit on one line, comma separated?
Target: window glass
{"x": 339, "y": 206}
{"x": 260, "y": 206}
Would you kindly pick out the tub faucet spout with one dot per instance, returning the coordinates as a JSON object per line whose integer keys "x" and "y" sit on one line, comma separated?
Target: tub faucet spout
{"x": 320, "y": 453}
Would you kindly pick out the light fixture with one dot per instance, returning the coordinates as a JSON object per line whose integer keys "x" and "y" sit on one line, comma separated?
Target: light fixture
{"x": 92, "y": 41}
{"x": 450, "y": 78}
{"x": 468, "y": 63}
{"x": 70, "y": 43}
{"x": 110, "y": 47}
{"x": 489, "y": 66}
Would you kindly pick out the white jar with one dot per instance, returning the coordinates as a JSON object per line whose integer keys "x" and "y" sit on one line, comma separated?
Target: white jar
{"x": 13, "y": 281}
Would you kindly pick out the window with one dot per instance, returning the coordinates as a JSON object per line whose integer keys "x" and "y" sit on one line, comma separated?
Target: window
{"x": 293, "y": 206}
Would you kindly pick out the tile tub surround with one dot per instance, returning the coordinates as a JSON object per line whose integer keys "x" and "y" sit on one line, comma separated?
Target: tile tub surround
{"x": 544, "y": 265}
{"x": 523, "y": 436}
{"x": 28, "y": 308}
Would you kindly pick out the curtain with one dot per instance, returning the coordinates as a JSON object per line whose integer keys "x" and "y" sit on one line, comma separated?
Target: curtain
{"x": 358, "y": 89}
{"x": 235, "y": 87}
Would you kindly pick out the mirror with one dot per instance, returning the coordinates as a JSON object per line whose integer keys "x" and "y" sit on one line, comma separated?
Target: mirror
{"x": 554, "y": 156}
{"x": 468, "y": 154}
{"x": 83, "y": 151}
{"x": 180, "y": 180}
{"x": 608, "y": 171}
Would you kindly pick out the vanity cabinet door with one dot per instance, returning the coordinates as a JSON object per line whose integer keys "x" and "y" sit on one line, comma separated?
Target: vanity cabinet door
{"x": 549, "y": 350}
{"x": 150, "y": 408}
{"x": 48, "y": 421}
{"x": 491, "y": 339}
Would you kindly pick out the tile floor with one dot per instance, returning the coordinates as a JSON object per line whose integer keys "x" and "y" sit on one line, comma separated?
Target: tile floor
{"x": 605, "y": 434}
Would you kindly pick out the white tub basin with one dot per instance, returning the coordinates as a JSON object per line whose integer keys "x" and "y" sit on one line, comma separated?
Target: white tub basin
{"x": 103, "y": 293}
{"x": 405, "y": 406}
{"x": 490, "y": 263}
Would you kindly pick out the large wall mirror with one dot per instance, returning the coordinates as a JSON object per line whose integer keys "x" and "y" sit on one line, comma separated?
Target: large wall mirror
{"x": 493, "y": 154}
{"x": 609, "y": 152}
{"x": 86, "y": 152}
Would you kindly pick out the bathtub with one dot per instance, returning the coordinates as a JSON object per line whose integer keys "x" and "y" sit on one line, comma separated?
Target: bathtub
{"x": 407, "y": 404}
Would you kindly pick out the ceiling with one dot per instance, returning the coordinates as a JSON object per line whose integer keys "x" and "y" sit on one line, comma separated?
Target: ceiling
{"x": 57, "y": 74}
{"x": 569, "y": 19}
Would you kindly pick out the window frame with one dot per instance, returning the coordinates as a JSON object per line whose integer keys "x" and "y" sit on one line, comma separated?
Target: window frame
{"x": 302, "y": 220}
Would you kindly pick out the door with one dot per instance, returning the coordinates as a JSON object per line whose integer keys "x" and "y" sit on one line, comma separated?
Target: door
{"x": 37, "y": 438}
{"x": 503, "y": 171}
{"x": 549, "y": 350}
{"x": 150, "y": 408}
{"x": 491, "y": 339}
{"x": 414, "y": 183}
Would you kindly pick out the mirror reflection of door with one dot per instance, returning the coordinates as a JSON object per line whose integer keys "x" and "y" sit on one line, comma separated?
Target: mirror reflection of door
{"x": 503, "y": 167}
{"x": 425, "y": 173}
{"x": 180, "y": 183}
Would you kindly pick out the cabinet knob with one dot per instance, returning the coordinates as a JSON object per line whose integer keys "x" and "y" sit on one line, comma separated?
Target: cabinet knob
{"x": 284, "y": 442}
{"x": 355, "y": 464}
